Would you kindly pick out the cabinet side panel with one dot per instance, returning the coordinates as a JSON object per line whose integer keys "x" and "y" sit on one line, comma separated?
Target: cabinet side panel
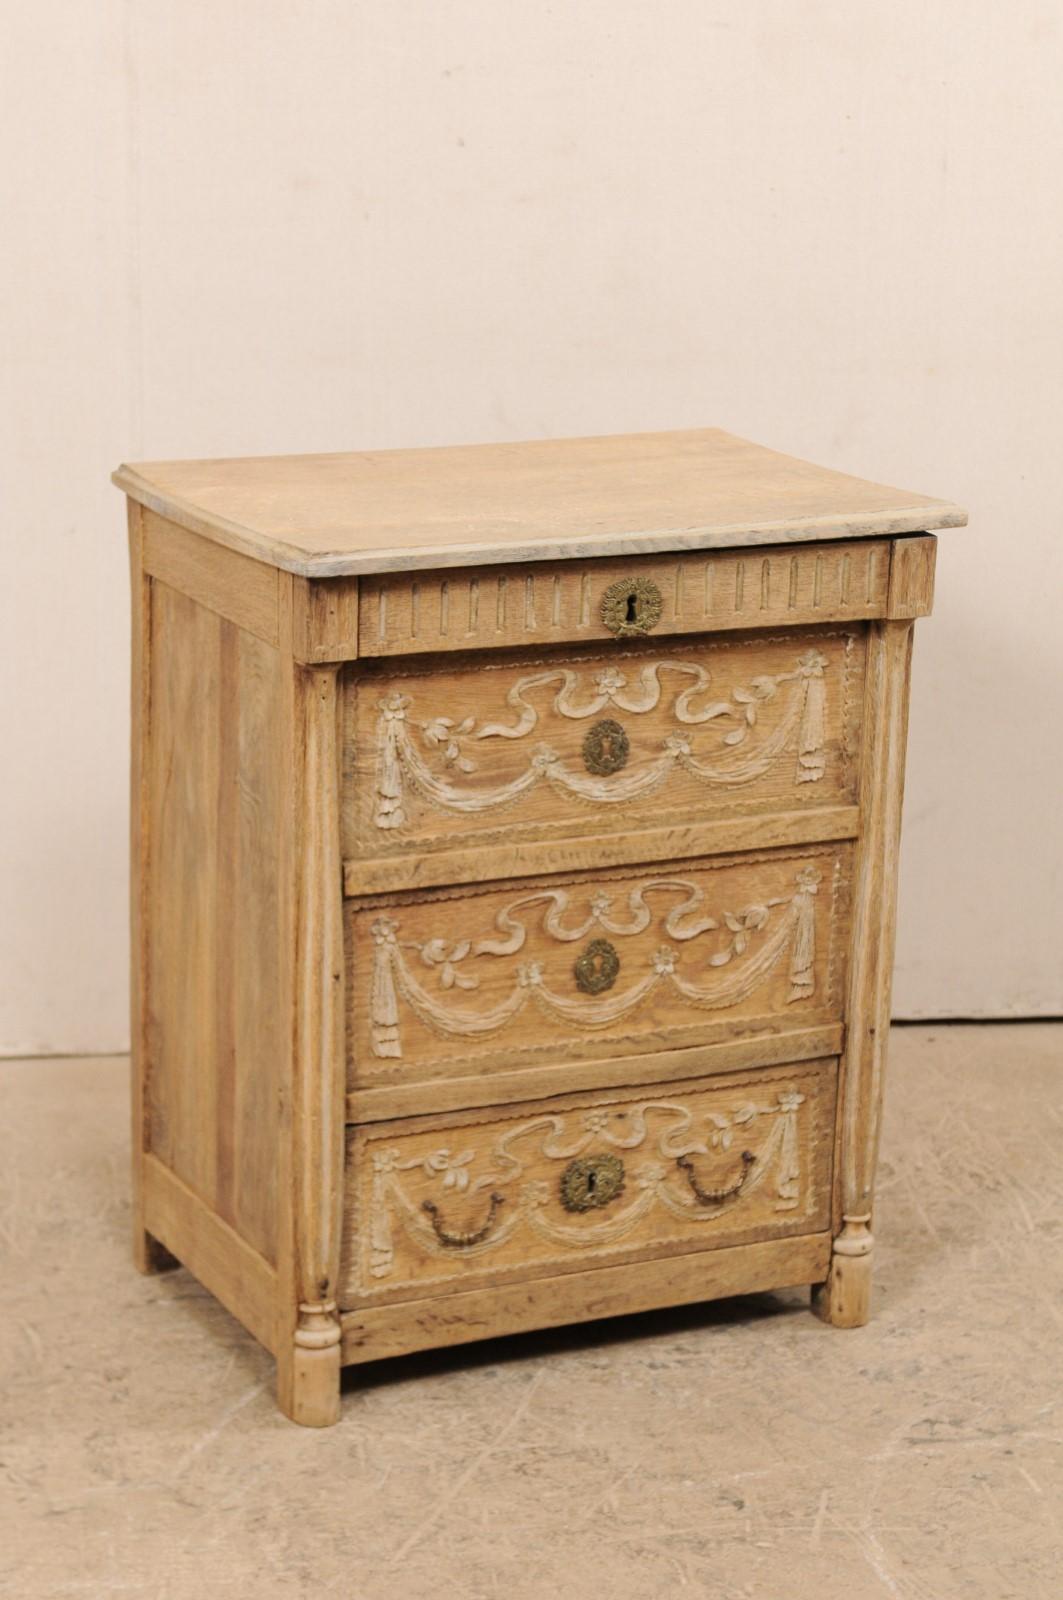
{"x": 215, "y": 1038}
{"x": 261, "y": 1030}
{"x": 148, "y": 1254}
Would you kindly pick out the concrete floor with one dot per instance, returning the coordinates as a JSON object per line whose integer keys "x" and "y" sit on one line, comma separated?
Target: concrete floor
{"x": 742, "y": 1450}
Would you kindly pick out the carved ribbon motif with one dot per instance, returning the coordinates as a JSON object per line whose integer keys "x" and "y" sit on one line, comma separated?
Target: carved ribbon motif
{"x": 567, "y": 1137}
{"x": 752, "y": 929}
{"x": 801, "y": 728}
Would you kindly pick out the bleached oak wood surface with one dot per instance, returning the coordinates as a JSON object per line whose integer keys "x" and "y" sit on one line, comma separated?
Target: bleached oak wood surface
{"x": 449, "y": 756}
{"x": 713, "y": 591}
{"x": 543, "y": 975}
{"x": 693, "y": 1166}
{"x": 483, "y": 979}
{"x": 757, "y": 1049}
{"x": 373, "y": 1332}
{"x": 845, "y": 1298}
{"x": 208, "y": 1014}
{"x": 394, "y": 510}
{"x": 309, "y": 1368}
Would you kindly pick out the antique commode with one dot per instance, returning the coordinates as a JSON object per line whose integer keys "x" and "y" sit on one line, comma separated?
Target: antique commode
{"x": 514, "y": 846}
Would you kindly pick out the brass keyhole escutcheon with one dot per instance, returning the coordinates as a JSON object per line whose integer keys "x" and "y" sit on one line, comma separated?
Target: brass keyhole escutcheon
{"x": 631, "y": 606}
{"x": 606, "y": 748}
{"x": 597, "y": 967}
{"x": 591, "y": 1181}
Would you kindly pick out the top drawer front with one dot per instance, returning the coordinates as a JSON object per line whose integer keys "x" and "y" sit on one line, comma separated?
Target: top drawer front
{"x": 492, "y": 607}
{"x": 599, "y": 742}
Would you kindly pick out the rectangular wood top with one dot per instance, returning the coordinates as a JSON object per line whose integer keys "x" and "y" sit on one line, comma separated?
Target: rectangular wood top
{"x": 545, "y": 500}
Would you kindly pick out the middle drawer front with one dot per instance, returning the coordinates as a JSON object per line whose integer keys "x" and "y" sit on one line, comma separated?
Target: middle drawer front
{"x": 452, "y": 983}
{"x": 440, "y": 1204}
{"x": 503, "y": 752}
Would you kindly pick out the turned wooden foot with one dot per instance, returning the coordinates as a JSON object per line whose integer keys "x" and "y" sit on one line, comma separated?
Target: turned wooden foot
{"x": 845, "y": 1299}
{"x": 308, "y": 1372}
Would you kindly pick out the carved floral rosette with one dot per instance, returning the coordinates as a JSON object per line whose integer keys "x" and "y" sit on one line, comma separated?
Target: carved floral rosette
{"x": 743, "y": 949}
{"x": 666, "y": 1136}
{"x": 436, "y": 756}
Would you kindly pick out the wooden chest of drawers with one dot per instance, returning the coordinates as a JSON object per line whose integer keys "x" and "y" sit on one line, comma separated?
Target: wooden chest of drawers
{"x": 514, "y": 842}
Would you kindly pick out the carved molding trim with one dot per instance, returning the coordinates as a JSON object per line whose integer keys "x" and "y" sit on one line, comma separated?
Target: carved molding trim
{"x": 753, "y": 930}
{"x": 317, "y": 1100}
{"x": 563, "y": 1137}
{"x": 318, "y": 1325}
{"x": 552, "y": 602}
{"x": 855, "y": 1238}
{"x": 449, "y": 743}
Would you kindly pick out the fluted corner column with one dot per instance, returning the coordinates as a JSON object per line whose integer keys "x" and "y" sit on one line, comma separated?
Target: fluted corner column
{"x": 309, "y": 1368}
{"x": 845, "y": 1298}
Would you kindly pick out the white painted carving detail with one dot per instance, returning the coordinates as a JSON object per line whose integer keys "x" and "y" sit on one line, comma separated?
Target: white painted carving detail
{"x": 450, "y": 742}
{"x": 663, "y": 1129}
{"x": 755, "y": 941}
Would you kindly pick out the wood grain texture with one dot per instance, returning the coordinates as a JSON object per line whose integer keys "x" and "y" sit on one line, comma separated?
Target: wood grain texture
{"x": 293, "y": 1383}
{"x": 232, "y": 586}
{"x": 214, "y": 1027}
{"x": 498, "y": 1088}
{"x": 446, "y": 1204}
{"x": 410, "y": 613}
{"x": 309, "y": 1372}
{"x": 148, "y": 1254}
{"x": 243, "y": 1280}
{"x": 372, "y": 1333}
{"x": 325, "y": 619}
{"x": 456, "y": 982}
{"x": 386, "y": 511}
{"x": 679, "y": 840}
{"x": 845, "y": 1297}
{"x": 616, "y": 906}
{"x": 911, "y": 586}
{"x": 515, "y": 750}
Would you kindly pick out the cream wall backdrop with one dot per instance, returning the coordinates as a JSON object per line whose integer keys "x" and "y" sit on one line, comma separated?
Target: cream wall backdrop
{"x": 248, "y": 226}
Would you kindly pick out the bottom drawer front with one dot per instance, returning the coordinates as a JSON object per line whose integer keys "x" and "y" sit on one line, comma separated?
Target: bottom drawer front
{"x": 438, "y": 1205}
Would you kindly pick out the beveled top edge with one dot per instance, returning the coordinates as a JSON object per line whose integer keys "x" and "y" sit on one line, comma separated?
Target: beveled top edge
{"x": 404, "y": 510}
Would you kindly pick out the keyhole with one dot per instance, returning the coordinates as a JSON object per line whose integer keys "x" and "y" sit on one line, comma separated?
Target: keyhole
{"x": 592, "y": 1181}
{"x": 596, "y": 969}
{"x": 631, "y": 605}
